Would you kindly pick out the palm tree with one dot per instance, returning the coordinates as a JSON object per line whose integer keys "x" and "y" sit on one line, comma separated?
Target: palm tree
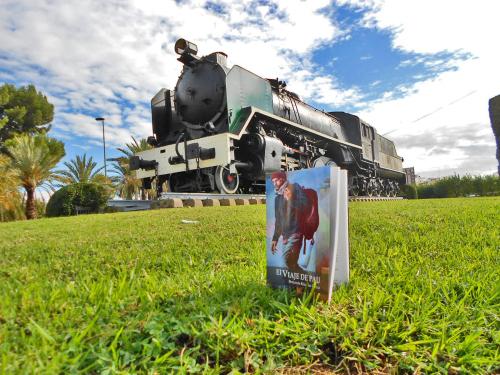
{"x": 135, "y": 147}
{"x": 9, "y": 183}
{"x": 80, "y": 170}
{"x": 127, "y": 184}
{"x": 34, "y": 158}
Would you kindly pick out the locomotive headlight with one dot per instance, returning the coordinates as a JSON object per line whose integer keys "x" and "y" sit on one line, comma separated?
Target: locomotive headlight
{"x": 184, "y": 46}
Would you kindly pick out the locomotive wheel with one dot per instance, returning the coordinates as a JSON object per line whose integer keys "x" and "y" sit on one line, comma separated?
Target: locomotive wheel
{"x": 378, "y": 188}
{"x": 371, "y": 188}
{"x": 395, "y": 189}
{"x": 387, "y": 186}
{"x": 226, "y": 182}
{"x": 355, "y": 188}
{"x": 392, "y": 189}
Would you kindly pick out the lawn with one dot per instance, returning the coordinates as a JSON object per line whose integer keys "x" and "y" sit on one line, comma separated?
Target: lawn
{"x": 142, "y": 292}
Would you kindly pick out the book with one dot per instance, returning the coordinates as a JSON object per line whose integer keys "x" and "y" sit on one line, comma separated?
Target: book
{"x": 307, "y": 241}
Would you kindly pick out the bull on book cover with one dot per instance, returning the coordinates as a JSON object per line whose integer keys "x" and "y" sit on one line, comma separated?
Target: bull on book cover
{"x": 302, "y": 226}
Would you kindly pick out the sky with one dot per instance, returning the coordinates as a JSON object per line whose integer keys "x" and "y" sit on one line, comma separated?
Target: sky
{"x": 419, "y": 71}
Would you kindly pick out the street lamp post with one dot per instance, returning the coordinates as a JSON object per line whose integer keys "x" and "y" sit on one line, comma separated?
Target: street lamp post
{"x": 101, "y": 119}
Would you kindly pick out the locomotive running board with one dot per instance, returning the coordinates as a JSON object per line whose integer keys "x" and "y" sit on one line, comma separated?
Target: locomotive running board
{"x": 252, "y": 111}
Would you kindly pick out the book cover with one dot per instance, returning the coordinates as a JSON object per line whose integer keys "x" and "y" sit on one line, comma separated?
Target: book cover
{"x": 302, "y": 210}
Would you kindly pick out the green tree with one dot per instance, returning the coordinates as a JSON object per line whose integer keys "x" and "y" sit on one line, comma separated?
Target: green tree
{"x": 3, "y": 101}
{"x": 23, "y": 110}
{"x": 127, "y": 184}
{"x": 134, "y": 147}
{"x": 10, "y": 198}
{"x": 80, "y": 169}
{"x": 409, "y": 191}
{"x": 479, "y": 185}
{"x": 491, "y": 184}
{"x": 448, "y": 187}
{"x": 426, "y": 191}
{"x": 456, "y": 186}
{"x": 34, "y": 159}
{"x": 467, "y": 184}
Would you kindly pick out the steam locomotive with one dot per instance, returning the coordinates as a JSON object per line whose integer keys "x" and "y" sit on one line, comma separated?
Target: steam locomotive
{"x": 223, "y": 129}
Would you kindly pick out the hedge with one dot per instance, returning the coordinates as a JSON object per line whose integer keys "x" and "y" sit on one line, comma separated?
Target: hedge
{"x": 91, "y": 196}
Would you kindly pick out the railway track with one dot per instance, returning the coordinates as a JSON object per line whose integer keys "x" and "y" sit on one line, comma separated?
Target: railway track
{"x": 177, "y": 200}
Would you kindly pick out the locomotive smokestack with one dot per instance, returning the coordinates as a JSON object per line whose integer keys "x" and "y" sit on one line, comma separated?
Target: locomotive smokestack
{"x": 183, "y": 46}
{"x": 187, "y": 52}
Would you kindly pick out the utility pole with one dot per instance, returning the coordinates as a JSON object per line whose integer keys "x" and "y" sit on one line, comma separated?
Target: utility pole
{"x": 101, "y": 119}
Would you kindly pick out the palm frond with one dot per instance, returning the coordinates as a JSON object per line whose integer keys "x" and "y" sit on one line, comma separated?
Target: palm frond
{"x": 79, "y": 169}
{"x": 34, "y": 159}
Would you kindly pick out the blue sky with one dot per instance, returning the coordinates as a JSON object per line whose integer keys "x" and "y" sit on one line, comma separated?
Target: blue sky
{"x": 391, "y": 62}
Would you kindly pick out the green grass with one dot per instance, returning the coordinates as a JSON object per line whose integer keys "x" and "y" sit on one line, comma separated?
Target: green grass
{"x": 141, "y": 292}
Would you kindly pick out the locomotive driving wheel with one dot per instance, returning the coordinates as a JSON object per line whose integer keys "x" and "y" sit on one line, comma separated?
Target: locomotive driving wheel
{"x": 378, "y": 187}
{"x": 355, "y": 187}
{"x": 371, "y": 187}
{"x": 226, "y": 182}
{"x": 395, "y": 189}
{"x": 390, "y": 189}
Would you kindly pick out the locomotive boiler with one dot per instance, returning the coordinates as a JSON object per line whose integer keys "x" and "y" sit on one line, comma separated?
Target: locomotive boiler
{"x": 222, "y": 129}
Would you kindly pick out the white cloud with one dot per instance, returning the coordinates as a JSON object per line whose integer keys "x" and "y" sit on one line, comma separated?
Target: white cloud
{"x": 428, "y": 26}
{"x": 453, "y": 99}
{"x": 443, "y": 105}
{"x": 87, "y": 55}
{"x": 324, "y": 90}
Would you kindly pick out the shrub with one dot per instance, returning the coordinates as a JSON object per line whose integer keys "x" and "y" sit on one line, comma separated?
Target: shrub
{"x": 14, "y": 210}
{"x": 40, "y": 206}
{"x": 409, "y": 192}
{"x": 89, "y": 195}
{"x": 456, "y": 186}
{"x": 426, "y": 191}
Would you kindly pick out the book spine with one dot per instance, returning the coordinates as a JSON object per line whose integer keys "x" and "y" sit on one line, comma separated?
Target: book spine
{"x": 342, "y": 263}
{"x": 334, "y": 225}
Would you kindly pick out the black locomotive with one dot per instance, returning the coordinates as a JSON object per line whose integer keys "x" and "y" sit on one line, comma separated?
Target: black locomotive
{"x": 224, "y": 129}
